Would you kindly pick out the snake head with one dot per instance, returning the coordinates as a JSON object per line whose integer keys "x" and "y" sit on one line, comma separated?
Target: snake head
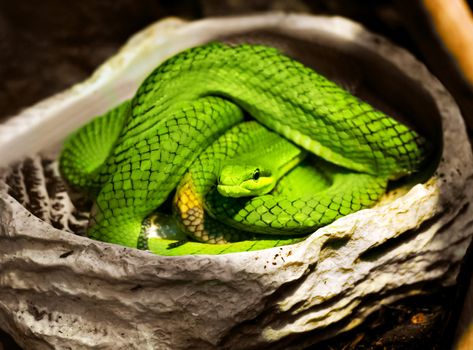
{"x": 245, "y": 180}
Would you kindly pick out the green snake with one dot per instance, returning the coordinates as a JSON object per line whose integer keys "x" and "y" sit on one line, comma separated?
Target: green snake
{"x": 247, "y": 163}
{"x": 134, "y": 156}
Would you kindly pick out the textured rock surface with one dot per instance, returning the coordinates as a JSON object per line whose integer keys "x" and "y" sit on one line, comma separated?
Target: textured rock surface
{"x": 60, "y": 290}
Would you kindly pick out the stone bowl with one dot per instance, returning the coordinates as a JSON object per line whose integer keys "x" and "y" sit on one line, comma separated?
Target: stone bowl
{"x": 60, "y": 290}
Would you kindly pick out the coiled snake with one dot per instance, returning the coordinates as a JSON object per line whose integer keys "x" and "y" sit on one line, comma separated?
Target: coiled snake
{"x": 134, "y": 156}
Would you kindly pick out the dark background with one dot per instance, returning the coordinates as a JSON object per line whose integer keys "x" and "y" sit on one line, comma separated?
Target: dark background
{"x": 47, "y": 46}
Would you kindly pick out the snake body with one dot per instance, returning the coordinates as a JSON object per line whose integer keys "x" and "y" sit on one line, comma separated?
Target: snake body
{"x": 248, "y": 142}
{"x": 193, "y": 98}
{"x": 309, "y": 196}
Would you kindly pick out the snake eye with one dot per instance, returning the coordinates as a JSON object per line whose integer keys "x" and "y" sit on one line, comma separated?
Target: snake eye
{"x": 256, "y": 174}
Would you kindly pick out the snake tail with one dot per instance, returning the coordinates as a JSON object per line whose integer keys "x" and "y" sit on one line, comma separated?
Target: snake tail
{"x": 87, "y": 149}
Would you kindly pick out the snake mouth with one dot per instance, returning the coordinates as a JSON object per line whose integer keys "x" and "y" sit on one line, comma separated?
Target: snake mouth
{"x": 247, "y": 188}
{"x": 234, "y": 191}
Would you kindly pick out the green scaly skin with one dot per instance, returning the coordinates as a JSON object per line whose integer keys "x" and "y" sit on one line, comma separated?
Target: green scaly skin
{"x": 310, "y": 196}
{"x": 189, "y": 200}
{"x": 340, "y": 192}
{"x": 191, "y": 99}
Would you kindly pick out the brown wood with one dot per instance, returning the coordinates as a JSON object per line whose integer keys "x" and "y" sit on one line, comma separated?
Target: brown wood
{"x": 452, "y": 20}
